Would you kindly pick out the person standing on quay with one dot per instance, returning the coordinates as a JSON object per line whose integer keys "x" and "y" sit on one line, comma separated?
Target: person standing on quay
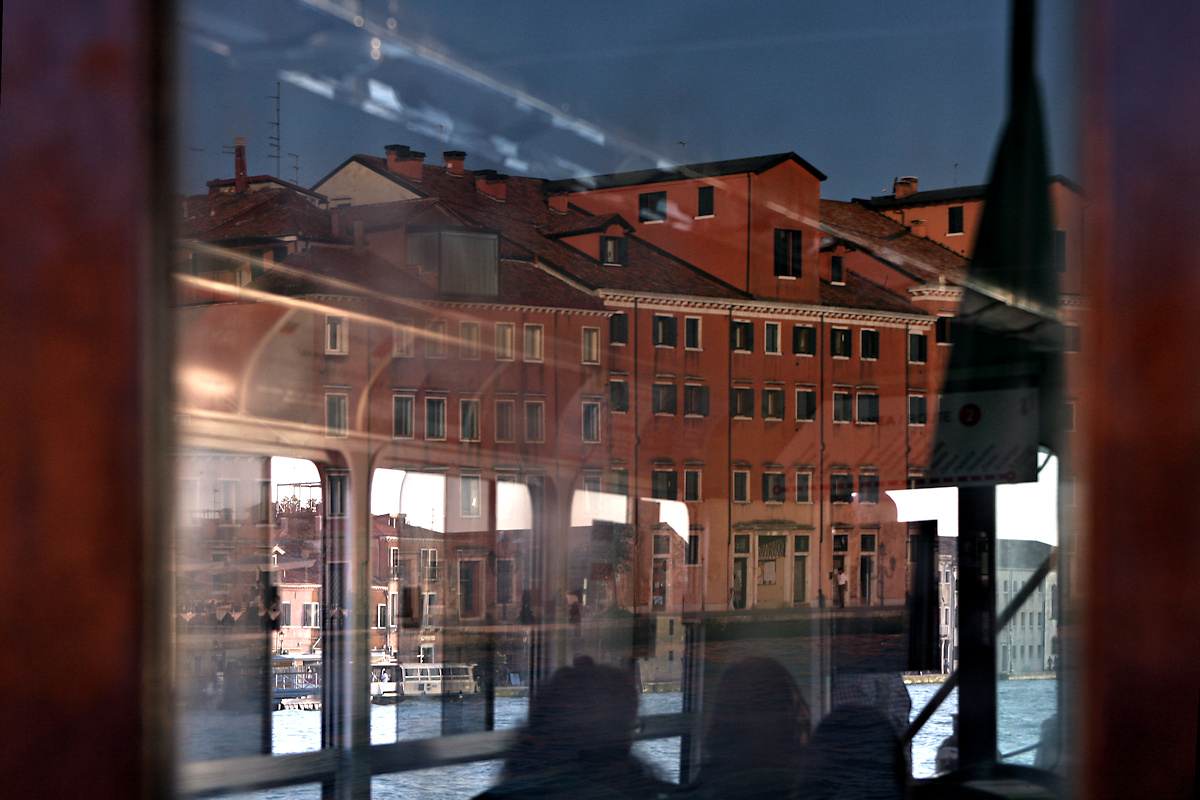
{"x": 842, "y": 584}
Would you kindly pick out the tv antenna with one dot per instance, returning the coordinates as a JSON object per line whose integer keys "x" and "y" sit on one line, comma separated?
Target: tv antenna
{"x": 273, "y": 141}
{"x": 296, "y": 166}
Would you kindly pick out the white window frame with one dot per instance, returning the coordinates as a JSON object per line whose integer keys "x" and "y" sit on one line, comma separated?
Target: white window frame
{"x": 696, "y": 322}
{"x": 812, "y": 390}
{"x": 925, "y": 402}
{"x": 591, "y": 408}
{"x": 430, "y": 403}
{"x": 505, "y": 342}
{"x": 862, "y": 344}
{"x": 782, "y": 476}
{"x": 858, "y": 400}
{"x": 512, "y": 420}
{"x": 849, "y": 339}
{"x": 337, "y": 335}
{"x": 776, "y": 329}
{"x": 469, "y": 339}
{"x": 470, "y": 496}
{"x": 342, "y": 430}
{"x": 590, "y": 345}
{"x": 533, "y": 343}
{"x": 541, "y": 432}
{"x": 463, "y": 434}
{"x": 402, "y": 341}
{"x": 412, "y": 410}
{"x": 435, "y": 339}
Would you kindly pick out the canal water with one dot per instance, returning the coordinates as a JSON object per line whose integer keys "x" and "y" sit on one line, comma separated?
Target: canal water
{"x": 1021, "y": 708}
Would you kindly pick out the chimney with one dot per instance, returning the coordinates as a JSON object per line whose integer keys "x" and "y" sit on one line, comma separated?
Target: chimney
{"x": 491, "y": 184}
{"x": 917, "y": 228}
{"x": 903, "y": 187}
{"x": 404, "y": 162}
{"x": 454, "y": 161}
{"x": 239, "y": 164}
{"x": 557, "y": 202}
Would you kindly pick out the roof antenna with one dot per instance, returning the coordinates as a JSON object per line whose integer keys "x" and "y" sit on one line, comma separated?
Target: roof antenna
{"x": 682, "y": 152}
{"x": 955, "y": 173}
{"x": 273, "y": 141}
{"x": 296, "y": 166}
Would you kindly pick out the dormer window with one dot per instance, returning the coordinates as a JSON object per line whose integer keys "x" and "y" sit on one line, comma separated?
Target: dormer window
{"x": 466, "y": 262}
{"x": 836, "y": 270}
{"x": 614, "y": 251}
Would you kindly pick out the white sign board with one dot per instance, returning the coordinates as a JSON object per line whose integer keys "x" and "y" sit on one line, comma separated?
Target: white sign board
{"x": 985, "y": 438}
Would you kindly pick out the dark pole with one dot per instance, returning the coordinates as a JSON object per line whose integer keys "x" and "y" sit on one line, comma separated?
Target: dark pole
{"x": 976, "y": 629}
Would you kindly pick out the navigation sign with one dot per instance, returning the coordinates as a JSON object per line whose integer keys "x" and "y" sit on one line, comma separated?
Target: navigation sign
{"x": 985, "y": 438}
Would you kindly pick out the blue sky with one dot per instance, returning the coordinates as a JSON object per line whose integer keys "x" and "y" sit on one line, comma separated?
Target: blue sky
{"x": 865, "y": 90}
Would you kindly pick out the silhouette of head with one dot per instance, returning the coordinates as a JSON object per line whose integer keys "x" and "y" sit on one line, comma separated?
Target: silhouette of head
{"x": 854, "y": 755}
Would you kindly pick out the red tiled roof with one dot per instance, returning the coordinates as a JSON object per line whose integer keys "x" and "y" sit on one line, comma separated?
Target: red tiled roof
{"x": 574, "y": 225}
{"x": 267, "y": 214}
{"x": 334, "y": 269}
{"x": 860, "y": 293}
{"x": 891, "y": 242}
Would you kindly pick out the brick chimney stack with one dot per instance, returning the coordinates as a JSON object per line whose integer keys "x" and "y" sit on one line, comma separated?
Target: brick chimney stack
{"x": 492, "y": 184}
{"x": 239, "y": 164}
{"x": 917, "y": 227}
{"x": 903, "y": 187}
{"x": 454, "y": 161}
{"x": 407, "y": 163}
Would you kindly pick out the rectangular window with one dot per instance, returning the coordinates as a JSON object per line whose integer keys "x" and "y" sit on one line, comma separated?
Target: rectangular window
{"x": 337, "y": 491}
{"x": 337, "y": 340}
{"x": 704, "y": 201}
{"x": 691, "y": 333}
{"x": 741, "y": 402}
{"x": 843, "y": 407}
{"x": 840, "y": 343}
{"x": 941, "y": 330}
{"x": 789, "y": 253}
{"x": 841, "y": 542}
{"x": 435, "y": 339}
{"x": 662, "y": 544}
{"x": 505, "y": 424}
{"x": 1060, "y": 251}
{"x": 535, "y": 417}
{"x": 800, "y": 543}
{"x": 916, "y": 409}
{"x": 741, "y": 492}
{"x": 806, "y": 405}
{"x": 533, "y": 346}
{"x": 652, "y": 207}
{"x": 614, "y": 251}
{"x": 771, "y": 343}
{"x": 741, "y": 544}
{"x": 664, "y": 331}
{"x": 918, "y": 348}
{"x": 591, "y": 346}
{"x": 868, "y": 488}
{"x": 336, "y": 417}
{"x": 591, "y": 422}
{"x": 468, "y": 340}
{"x": 402, "y": 416}
{"x": 468, "y": 411}
{"x": 804, "y": 340}
{"x": 691, "y": 485}
{"x": 402, "y": 343}
{"x": 591, "y": 481}
{"x": 311, "y": 615}
{"x": 774, "y": 487}
{"x": 505, "y": 334}
{"x": 841, "y": 488}
{"x": 955, "y": 221}
{"x": 837, "y": 272}
{"x": 421, "y": 251}
{"x": 695, "y": 401}
{"x": 870, "y": 344}
{"x": 470, "y": 495}
{"x": 868, "y": 408}
{"x": 772, "y": 402}
{"x": 285, "y": 615}
{"x": 663, "y": 398}
{"x": 618, "y": 481}
{"x": 435, "y": 418}
{"x": 803, "y": 487}
{"x": 867, "y": 543}
{"x": 618, "y": 329}
{"x": 664, "y": 484}
{"x": 692, "y": 556}
{"x": 618, "y": 396}
{"x": 741, "y": 336}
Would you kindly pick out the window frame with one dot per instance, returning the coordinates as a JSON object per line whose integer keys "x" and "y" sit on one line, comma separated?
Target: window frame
{"x": 501, "y": 423}
{"x": 533, "y": 343}
{"x": 740, "y": 490}
{"x": 470, "y": 337}
{"x": 536, "y": 433}
{"x": 664, "y": 330}
{"x": 692, "y": 333}
{"x": 694, "y": 393}
{"x": 869, "y": 344}
{"x": 692, "y": 485}
{"x": 843, "y": 406}
{"x": 664, "y": 399}
{"x": 741, "y": 336}
{"x": 869, "y": 399}
{"x": 475, "y": 496}
{"x": 589, "y": 344}
{"x": 772, "y": 330}
{"x": 799, "y": 340}
{"x": 803, "y": 482}
{"x": 337, "y": 335}
{"x": 614, "y": 251}
{"x": 652, "y": 207}
{"x": 841, "y": 488}
{"x": 403, "y": 339}
{"x": 955, "y": 220}
{"x": 774, "y": 487}
{"x": 591, "y": 419}
{"x": 411, "y": 422}
{"x": 618, "y": 328}
{"x": 808, "y": 404}
{"x": 465, "y": 435}
{"x": 924, "y": 410}
{"x": 918, "y": 348}
{"x": 505, "y": 341}
{"x": 337, "y": 420}
{"x": 435, "y": 338}
{"x": 741, "y": 402}
{"x": 841, "y": 342}
{"x": 868, "y": 488}
{"x": 664, "y": 484}
{"x": 618, "y": 400}
{"x": 789, "y": 253}
{"x": 432, "y": 403}
{"x": 706, "y": 205}
{"x": 771, "y": 395}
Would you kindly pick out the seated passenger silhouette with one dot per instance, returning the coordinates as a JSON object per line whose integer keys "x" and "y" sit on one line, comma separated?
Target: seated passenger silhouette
{"x": 576, "y": 743}
{"x": 854, "y": 755}
{"x": 756, "y": 734}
